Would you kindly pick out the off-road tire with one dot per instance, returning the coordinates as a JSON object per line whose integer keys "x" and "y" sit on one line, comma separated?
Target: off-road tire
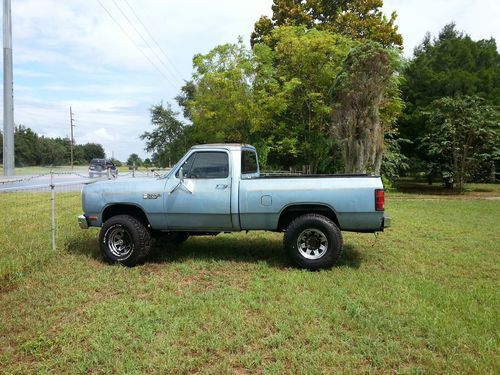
{"x": 132, "y": 232}
{"x": 322, "y": 232}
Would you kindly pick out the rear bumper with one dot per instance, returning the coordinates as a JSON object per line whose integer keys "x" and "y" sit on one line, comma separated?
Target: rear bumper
{"x": 386, "y": 221}
{"x": 82, "y": 222}
{"x": 113, "y": 173}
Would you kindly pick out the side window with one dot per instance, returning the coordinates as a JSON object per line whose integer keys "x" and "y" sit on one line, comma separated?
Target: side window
{"x": 210, "y": 165}
{"x": 248, "y": 162}
{"x": 186, "y": 166}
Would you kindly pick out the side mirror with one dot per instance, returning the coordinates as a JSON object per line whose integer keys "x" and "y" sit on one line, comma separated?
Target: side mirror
{"x": 181, "y": 174}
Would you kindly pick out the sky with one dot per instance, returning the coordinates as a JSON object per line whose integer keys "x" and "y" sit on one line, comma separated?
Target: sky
{"x": 97, "y": 57}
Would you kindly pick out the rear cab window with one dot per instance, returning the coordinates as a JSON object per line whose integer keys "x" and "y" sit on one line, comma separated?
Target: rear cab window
{"x": 249, "y": 164}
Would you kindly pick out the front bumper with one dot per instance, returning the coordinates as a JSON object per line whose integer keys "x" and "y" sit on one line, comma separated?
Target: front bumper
{"x": 82, "y": 222}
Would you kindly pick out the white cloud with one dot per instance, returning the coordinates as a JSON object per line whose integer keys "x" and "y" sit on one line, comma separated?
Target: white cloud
{"x": 100, "y": 135}
{"x": 72, "y": 53}
{"x": 479, "y": 18}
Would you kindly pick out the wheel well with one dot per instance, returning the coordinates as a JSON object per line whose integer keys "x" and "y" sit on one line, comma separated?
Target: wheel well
{"x": 292, "y": 212}
{"x": 125, "y": 209}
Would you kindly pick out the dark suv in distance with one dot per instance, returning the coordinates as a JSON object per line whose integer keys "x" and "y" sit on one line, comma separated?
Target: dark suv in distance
{"x": 100, "y": 167}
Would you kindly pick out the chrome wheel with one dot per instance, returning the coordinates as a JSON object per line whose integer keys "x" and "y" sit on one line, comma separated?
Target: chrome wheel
{"x": 312, "y": 244}
{"x": 120, "y": 242}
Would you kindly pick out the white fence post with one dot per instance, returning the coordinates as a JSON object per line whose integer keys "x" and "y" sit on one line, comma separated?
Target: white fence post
{"x": 52, "y": 201}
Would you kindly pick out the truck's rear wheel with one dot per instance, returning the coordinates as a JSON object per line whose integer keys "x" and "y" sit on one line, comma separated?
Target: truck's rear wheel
{"x": 124, "y": 239}
{"x": 313, "y": 241}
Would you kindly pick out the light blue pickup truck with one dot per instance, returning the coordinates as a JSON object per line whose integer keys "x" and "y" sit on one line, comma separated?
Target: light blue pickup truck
{"x": 218, "y": 188}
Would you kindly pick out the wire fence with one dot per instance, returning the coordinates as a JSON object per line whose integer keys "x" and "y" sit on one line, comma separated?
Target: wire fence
{"x": 47, "y": 199}
{"x": 39, "y": 217}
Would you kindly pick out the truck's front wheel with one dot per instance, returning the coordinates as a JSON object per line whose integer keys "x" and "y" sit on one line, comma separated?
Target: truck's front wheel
{"x": 313, "y": 242}
{"x": 124, "y": 239}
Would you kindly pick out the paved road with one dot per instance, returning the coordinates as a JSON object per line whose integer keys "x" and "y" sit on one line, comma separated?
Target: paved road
{"x": 63, "y": 182}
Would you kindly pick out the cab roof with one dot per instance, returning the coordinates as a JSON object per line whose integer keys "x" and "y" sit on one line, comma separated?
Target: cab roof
{"x": 226, "y": 146}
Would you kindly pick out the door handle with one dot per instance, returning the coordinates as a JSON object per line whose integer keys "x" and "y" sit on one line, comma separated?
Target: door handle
{"x": 221, "y": 186}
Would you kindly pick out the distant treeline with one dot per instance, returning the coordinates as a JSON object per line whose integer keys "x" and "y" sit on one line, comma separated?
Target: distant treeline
{"x": 32, "y": 149}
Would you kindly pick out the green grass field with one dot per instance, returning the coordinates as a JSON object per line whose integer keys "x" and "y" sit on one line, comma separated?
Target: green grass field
{"x": 422, "y": 298}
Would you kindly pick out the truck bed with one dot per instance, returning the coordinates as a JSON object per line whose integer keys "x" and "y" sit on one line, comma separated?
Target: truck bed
{"x": 351, "y": 197}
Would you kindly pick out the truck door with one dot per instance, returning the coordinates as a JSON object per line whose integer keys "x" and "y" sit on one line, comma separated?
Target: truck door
{"x": 201, "y": 199}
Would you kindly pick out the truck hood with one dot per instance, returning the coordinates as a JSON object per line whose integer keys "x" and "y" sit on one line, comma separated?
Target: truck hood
{"x": 128, "y": 185}
{"x": 136, "y": 191}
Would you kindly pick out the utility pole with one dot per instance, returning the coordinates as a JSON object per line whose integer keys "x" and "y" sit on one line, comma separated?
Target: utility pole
{"x": 8, "y": 93}
{"x": 72, "y": 139}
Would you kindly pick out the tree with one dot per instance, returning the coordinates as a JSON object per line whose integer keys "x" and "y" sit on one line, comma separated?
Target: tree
{"x": 32, "y": 149}
{"x": 26, "y": 145}
{"x": 134, "y": 159}
{"x": 170, "y": 138}
{"x": 221, "y": 103}
{"x": 283, "y": 99}
{"x": 92, "y": 151}
{"x": 294, "y": 90}
{"x": 53, "y": 151}
{"x": 447, "y": 66}
{"x": 368, "y": 105}
{"x": 357, "y": 19}
{"x": 278, "y": 99}
{"x": 462, "y": 132}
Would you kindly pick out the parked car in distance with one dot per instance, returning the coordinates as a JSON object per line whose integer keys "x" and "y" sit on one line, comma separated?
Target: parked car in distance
{"x": 102, "y": 168}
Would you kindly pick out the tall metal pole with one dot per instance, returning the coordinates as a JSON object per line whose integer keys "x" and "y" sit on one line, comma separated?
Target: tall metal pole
{"x": 8, "y": 93}
{"x": 53, "y": 210}
{"x": 72, "y": 139}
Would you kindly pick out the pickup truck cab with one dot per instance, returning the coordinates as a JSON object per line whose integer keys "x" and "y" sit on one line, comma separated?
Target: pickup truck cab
{"x": 218, "y": 188}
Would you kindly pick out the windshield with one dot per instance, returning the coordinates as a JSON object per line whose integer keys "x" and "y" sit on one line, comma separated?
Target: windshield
{"x": 98, "y": 162}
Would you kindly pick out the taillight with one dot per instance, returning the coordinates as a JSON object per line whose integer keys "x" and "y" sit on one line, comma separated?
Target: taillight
{"x": 379, "y": 200}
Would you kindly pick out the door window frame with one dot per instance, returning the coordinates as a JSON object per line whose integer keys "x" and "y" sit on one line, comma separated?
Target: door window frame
{"x": 229, "y": 163}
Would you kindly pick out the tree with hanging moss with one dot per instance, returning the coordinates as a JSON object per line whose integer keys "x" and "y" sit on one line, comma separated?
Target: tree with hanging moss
{"x": 367, "y": 105}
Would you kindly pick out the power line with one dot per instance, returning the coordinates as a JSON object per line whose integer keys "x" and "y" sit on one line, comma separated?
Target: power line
{"x": 152, "y": 38}
{"x": 145, "y": 41}
{"x": 132, "y": 40}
